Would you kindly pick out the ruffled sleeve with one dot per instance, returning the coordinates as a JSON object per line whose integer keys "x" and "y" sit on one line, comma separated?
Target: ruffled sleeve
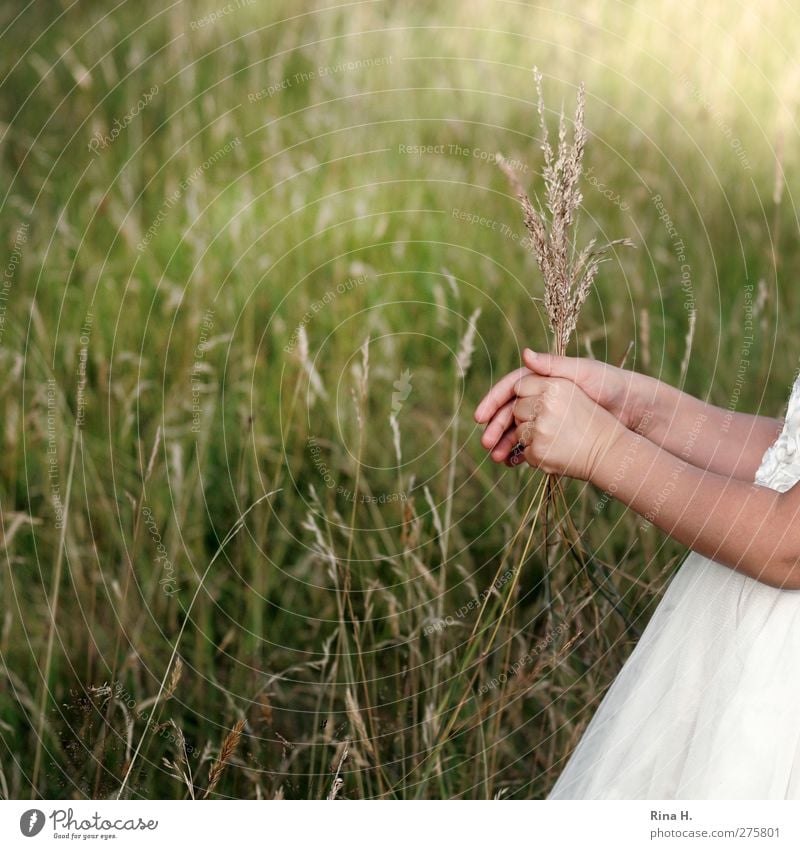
{"x": 780, "y": 467}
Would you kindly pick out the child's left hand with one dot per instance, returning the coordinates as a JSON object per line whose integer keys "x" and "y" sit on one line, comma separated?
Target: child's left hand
{"x": 563, "y": 431}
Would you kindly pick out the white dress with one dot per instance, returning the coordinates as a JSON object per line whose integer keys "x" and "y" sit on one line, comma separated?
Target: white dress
{"x": 707, "y": 706}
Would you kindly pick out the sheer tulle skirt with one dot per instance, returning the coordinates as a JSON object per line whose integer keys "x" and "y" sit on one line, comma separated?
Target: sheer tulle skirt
{"x": 707, "y": 705}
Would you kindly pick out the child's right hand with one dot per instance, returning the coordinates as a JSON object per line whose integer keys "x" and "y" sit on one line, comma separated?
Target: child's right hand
{"x": 625, "y": 394}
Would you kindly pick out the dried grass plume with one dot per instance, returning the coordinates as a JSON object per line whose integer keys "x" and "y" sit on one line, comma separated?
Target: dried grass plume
{"x": 568, "y": 272}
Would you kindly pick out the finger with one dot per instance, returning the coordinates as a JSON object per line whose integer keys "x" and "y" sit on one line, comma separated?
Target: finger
{"x": 524, "y": 433}
{"x": 526, "y": 407}
{"x": 521, "y": 438}
{"x": 502, "y": 420}
{"x": 516, "y": 437}
{"x": 529, "y": 457}
{"x": 500, "y": 453}
{"x": 499, "y": 394}
{"x": 531, "y": 384}
{"x": 553, "y": 365}
{"x": 516, "y": 457}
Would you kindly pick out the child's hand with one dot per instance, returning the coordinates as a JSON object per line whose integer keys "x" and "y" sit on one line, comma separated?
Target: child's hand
{"x": 625, "y": 394}
{"x": 562, "y": 430}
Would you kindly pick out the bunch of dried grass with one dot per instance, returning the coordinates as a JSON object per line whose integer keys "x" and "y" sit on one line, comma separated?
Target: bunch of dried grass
{"x": 569, "y": 273}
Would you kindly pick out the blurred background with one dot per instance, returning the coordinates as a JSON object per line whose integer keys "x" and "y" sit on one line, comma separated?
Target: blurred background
{"x": 259, "y": 265}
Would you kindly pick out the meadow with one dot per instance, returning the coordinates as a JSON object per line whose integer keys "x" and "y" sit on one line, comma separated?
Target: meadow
{"x": 259, "y": 265}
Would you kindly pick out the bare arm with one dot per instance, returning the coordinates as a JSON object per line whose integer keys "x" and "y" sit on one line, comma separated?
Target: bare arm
{"x": 750, "y": 528}
{"x": 728, "y": 443}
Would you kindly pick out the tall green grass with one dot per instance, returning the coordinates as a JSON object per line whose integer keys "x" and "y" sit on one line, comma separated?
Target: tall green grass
{"x": 317, "y": 624}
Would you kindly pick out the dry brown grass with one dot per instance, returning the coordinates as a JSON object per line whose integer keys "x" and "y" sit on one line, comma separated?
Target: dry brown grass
{"x": 568, "y": 272}
{"x": 229, "y": 746}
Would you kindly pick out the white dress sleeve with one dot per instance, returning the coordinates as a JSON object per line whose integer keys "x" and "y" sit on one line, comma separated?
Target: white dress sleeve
{"x": 780, "y": 468}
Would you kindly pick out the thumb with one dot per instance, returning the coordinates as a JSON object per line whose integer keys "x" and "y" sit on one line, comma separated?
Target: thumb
{"x": 551, "y": 365}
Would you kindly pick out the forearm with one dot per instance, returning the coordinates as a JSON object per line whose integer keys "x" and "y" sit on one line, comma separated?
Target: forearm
{"x": 737, "y": 523}
{"x": 722, "y": 441}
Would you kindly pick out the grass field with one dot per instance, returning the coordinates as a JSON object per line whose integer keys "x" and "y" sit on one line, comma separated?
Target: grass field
{"x": 244, "y": 246}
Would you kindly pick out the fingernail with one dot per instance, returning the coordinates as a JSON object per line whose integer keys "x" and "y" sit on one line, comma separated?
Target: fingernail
{"x": 530, "y": 353}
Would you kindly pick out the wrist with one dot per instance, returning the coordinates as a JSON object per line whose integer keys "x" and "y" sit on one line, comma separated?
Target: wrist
{"x": 613, "y": 456}
{"x": 652, "y": 399}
